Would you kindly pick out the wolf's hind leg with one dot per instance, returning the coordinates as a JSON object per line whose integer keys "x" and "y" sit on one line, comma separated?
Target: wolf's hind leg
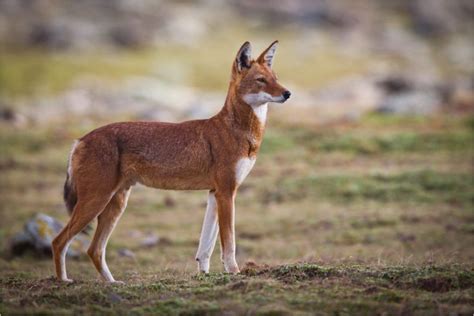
{"x": 106, "y": 224}
{"x": 84, "y": 212}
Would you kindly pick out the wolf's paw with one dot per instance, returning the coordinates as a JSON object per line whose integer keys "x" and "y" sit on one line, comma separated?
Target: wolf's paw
{"x": 231, "y": 268}
{"x": 234, "y": 270}
{"x": 116, "y": 282}
{"x": 203, "y": 265}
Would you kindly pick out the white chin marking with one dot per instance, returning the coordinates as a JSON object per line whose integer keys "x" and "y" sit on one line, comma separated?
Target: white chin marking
{"x": 256, "y": 99}
{"x": 258, "y": 102}
{"x": 242, "y": 169}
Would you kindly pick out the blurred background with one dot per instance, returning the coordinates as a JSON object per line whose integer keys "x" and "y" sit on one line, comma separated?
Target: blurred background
{"x": 371, "y": 160}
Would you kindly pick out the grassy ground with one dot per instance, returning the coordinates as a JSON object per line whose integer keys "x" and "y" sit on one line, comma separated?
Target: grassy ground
{"x": 369, "y": 218}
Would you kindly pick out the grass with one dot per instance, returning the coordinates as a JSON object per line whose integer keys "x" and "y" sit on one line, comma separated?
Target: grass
{"x": 39, "y": 73}
{"x": 424, "y": 186}
{"x": 393, "y": 138}
{"x": 347, "y": 219}
{"x": 298, "y": 288}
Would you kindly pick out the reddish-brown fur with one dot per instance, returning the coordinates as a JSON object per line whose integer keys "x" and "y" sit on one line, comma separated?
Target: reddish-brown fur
{"x": 192, "y": 155}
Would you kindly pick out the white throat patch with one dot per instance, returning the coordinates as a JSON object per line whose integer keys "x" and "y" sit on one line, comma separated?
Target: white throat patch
{"x": 261, "y": 112}
{"x": 258, "y": 102}
{"x": 243, "y": 168}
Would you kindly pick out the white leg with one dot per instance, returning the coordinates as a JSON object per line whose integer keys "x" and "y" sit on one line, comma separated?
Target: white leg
{"x": 62, "y": 258}
{"x": 210, "y": 229}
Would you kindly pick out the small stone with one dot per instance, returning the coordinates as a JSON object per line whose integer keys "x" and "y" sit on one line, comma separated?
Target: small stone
{"x": 115, "y": 298}
{"x": 169, "y": 201}
{"x": 150, "y": 240}
{"x": 406, "y": 238}
{"x": 124, "y": 252}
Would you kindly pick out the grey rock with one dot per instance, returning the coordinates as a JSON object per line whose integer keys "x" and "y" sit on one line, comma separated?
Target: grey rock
{"x": 38, "y": 234}
{"x": 11, "y": 116}
{"x": 421, "y": 102}
{"x": 150, "y": 240}
{"x": 50, "y": 36}
{"x": 124, "y": 252}
{"x": 115, "y": 298}
{"x": 439, "y": 17}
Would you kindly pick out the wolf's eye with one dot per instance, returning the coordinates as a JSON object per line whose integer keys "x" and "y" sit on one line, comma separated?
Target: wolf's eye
{"x": 262, "y": 80}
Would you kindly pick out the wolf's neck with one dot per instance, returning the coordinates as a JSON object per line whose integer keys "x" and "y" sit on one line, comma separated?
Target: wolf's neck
{"x": 243, "y": 115}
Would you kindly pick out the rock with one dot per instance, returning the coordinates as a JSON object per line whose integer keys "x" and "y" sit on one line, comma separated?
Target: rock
{"x": 406, "y": 238}
{"x": 322, "y": 13}
{"x": 394, "y": 84}
{"x": 38, "y": 234}
{"x": 150, "y": 240}
{"x": 459, "y": 53}
{"x": 185, "y": 25}
{"x": 420, "y": 102}
{"x": 410, "y": 93}
{"x": 50, "y": 36}
{"x": 461, "y": 96}
{"x": 20, "y": 243}
{"x": 438, "y": 17}
{"x": 169, "y": 201}
{"x": 343, "y": 101}
{"x": 129, "y": 36}
{"x": 147, "y": 240}
{"x": 124, "y": 252}
{"x": 134, "y": 234}
{"x": 9, "y": 115}
{"x": 115, "y": 298}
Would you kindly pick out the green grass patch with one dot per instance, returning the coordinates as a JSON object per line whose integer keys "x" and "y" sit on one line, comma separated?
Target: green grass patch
{"x": 401, "y": 135}
{"x": 301, "y": 272}
{"x": 38, "y": 73}
{"x": 429, "y": 278}
{"x": 180, "y": 306}
{"x": 22, "y": 142}
{"x": 399, "y": 142}
{"x": 418, "y": 186}
{"x": 275, "y": 141}
{"x": 34, "y": 150}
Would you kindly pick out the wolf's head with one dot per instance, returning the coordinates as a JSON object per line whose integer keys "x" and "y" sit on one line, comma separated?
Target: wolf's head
{"x": 254, "y": 80}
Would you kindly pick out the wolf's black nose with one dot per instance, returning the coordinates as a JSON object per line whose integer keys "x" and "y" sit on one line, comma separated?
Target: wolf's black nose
{"x": 286, "y": 94}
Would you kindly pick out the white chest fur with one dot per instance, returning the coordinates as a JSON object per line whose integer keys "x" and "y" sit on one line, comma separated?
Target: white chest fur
{"x": 243, "y": 168}
{"x": 261, "y": 112}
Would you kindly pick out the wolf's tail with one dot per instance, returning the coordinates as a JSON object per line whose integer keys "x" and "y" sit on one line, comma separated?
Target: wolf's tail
{"x": 69, "y": 194}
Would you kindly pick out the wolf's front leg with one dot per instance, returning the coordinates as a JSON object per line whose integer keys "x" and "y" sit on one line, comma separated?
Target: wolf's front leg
{"x": 226, "y": 218}
{"x": 209, "y": 232}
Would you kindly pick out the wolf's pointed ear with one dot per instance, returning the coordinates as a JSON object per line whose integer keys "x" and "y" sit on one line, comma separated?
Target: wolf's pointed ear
{"x": 243, "y": 57}
{"x": 266, "y": 58}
